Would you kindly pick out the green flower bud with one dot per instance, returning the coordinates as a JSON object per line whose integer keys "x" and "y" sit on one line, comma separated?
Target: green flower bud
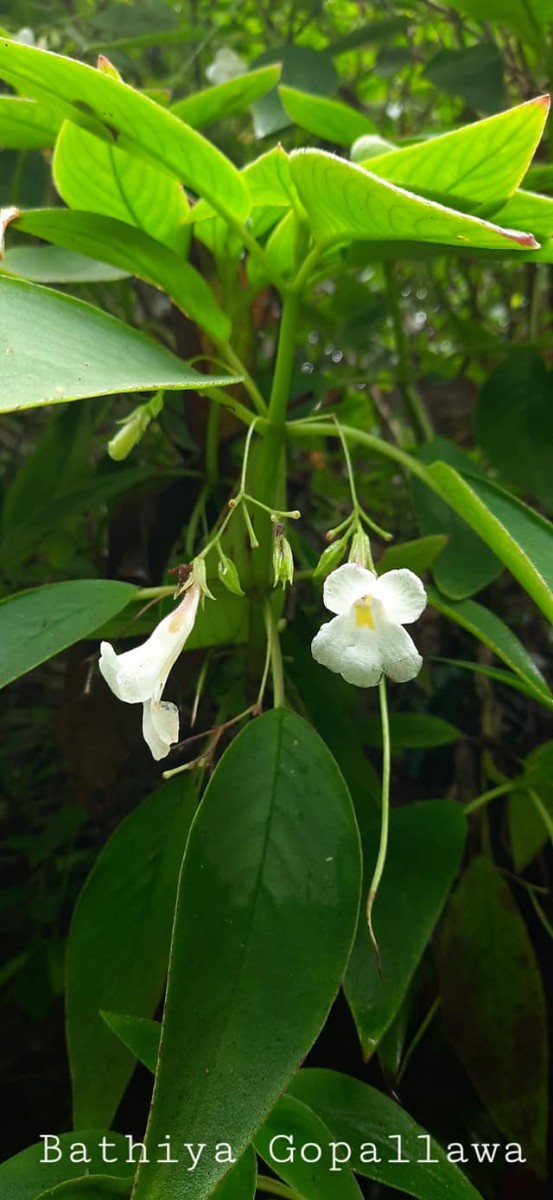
{"x": 331, "y": 557}
{"x": 130, "y": 434}
{"x": 198, "y": 575}
{"x": 283, "y": 559}
{"x": 360, "y": 550}
{"x": 229, "y": 575}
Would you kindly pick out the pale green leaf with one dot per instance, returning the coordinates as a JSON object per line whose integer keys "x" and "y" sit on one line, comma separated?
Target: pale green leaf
{"x": 226, "y": 99}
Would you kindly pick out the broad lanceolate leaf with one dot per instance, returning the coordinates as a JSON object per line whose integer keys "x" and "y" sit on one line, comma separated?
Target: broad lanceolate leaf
{"x": 26, "y": 124}
{"x": 37, "y": 624}
{"x": 347, "y": 203}
{"x": 466, "y": 563}
{"x": 93, "y": 175}
{"x": 119, "y": 942}
{"x": 413, "y": 730}
{"x": 381, "y": 1135}
{"x": 240, "y": 1183}
{"x": 27, "y": 1176}
{"x": 226, "y": 99}
{"x": 521, "y": 538}
{"x": 139, "y": 1034}
{"x": 493, "y": 632}
{"x": 270, "y": 881}
{"x": 514, "y": 421}
{"x": 136, "y": 252}
{"x": 78, "y": 351}
{"x": 126, "y": 118}
{"x": 529, "y": 19}
{"x": 327, "y": 119}
{"x": 302, "y": 67}
{"x": 473, "y": 72}
{"x": 418, "y": 555}
{"x": 494, "y": 1006}
{"x": 480, "y": 165}
{"x": 426, "y": 844}
{"x": 291, "y": 1126}
{"x": 52, "y": 264}
{"x": 90, "y": 1187}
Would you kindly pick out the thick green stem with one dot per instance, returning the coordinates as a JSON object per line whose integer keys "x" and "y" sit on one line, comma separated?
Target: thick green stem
{"x": 384, "y": 818}
{"x": 277, "y": 671}
{"x": 280, "y": 391}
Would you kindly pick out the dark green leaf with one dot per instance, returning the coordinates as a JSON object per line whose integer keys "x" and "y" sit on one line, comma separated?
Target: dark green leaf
{"x": 37, "y": 624}
{"x": 302, "y": 67}
{"x": 413, "y": 730}
{"x": 76, "y": 351}
{"x": 514, "y": 422}
{"x": 27, "y": 1177}
{"x": 425, "y": 848}
{"x": 226, "y": 99}
{"x": 475, "y": 73}
{"x": 90, "y": 1187}
{"x": 294, "y": 1123}
{"x": 52, "y": 264}
{"x": 139, "y": 1034}
{"x": 494, "y": 1006}
{"x": 240, "y": 1182}
{"x": 360, "y": 1116}
{"x": 120, "y": 964}
{"x": 26, "y": 125}
{"x": 275, "y": 833}
{"x": 417, "y": 555}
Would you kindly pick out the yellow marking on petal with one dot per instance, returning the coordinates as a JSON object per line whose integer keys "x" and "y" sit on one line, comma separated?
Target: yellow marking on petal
{"x": 363, "y": 613}
{"x": 176, "y": 622}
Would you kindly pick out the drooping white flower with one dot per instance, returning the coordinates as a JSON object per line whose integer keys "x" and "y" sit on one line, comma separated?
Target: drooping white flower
{"x": 139, "y": 676}
{"x": 225, "y": 66}
{"x": 366, "y": 638}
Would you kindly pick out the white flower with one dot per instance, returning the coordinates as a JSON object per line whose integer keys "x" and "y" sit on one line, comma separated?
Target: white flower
{"x": 226, "y": 65}
{"x": 139, "y": 675}
{"x": 366, "y": 638}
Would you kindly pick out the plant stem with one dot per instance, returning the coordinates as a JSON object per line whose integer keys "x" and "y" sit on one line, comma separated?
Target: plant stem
{"x": 280, "y": 391}
{"x": 384, "y": 819}
{"x": 501, "y": 790}
{"x": 414, "y": 404}
{"x": 313, "y": 428}
{"x": 277, "y": 671}
{"x": 417, "y": 1038}
{"x": 275, "y": 1188}
{"x": 251, "y": 387}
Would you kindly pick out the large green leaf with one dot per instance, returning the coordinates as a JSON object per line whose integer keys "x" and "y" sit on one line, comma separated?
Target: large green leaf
{"x": 91, "y": 1187}
{"x": 362, "y": 1117}
{"x": 499, "y": 637}
{"x": 514, "y": 422}
{"x": 302, "y": 67}
{"x": 473, "y": 72}
{"x": 51, "y": 264}
{"x": 521, "y": 538}
{"x": 415, "y": 731}
{"x": 78, "y": 351}
{"x": 240, "y": 1182}
{"x": 26, "y": 125}
{"x": 347, "y": 203}
{"x": 291, "y": 1126}
{"x": 139, "y": 1034}
{"x": 119, "y": 943}
{"x": 327, "y": 119}
{"x": 527, "y": 210}
{"x": 529, "y": 19}
{"x": 37, "y": 624}
{"x": 226, "y": 99}
{"x": 270, "y": 882}
{"x": 479, "y": 164}
{"x": 466, "y": 563}
{"x": 120, "y": 115}
{"x": 426, "y": 844}
{"x": 93, "y": 175}
{"x": 26, "y": 1176}
{"x": 494, "y": 1006}
{"x": 126, "y": 246}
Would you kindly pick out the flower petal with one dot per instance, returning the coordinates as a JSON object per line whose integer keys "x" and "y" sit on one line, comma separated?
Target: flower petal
{"x": 329, "y": 643}
{"x": 400, "y": 658}
{"x": 160, "y": 727}
{"x": 345, "y": 585}
{"x": 402, "y": 596}
{"x": 361, "y": 664}
{"x": 139, "y": 674}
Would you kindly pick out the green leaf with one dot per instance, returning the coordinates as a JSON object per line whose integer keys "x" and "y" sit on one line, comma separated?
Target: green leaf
{"x": 514, "y": 422}
{"x": 426, "y": 844}
{"x": 51, "y": 264}
{"x": 139, "y": 1034}
{"x": 365, "y": 35}
{"x": 121, "y": 964}
{"x": 119, "y": 114}
{"x": 293, "y": 1122}
{"x": 275, "y": 833}
{"x": 359, "y": 1115}
{"x": 90, "y": 1187}
{"x": 26, "y": 1176}
{"x": 78, "y": 351}
{"x": 458, "y": 164}
{"x": 526, "y": 210}
{"x": 521, "y": 538}
{"x": 417, "y": 555}
{"x": 494, "y": 1006}
{"x": 529, "y": 19}
{"x": 26, "y": 125}
{"x": 327, "y": 119}
{"x": 413, "y": 730}
{"x": 94, "y": 176}
{"x": 302, "y": 67}
{"x": 499, "y": 675}
{"x": 226, "y": 99}
{"x": 37, "y": 624}
{"x": 240, "y": 1182}
{"x": 346, "y": 203}
{"x": 531, "y": 807}
{"x": 466, "y": 564}
{"x": 474, "y": 72}
{"x": 134, "y": 251}
{"x": 495, "y": 634}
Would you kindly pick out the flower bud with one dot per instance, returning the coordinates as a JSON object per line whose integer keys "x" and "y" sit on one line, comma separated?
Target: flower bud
{"x": 283, "y": 559}
{"x": 331, "y": 557}
{"x": 198, "y": 575}
{"x": 360, "y": 549}
{"x": 130, "y": 434}
{"x": 229, "y": 575}
{"x": 107, "y": 68}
